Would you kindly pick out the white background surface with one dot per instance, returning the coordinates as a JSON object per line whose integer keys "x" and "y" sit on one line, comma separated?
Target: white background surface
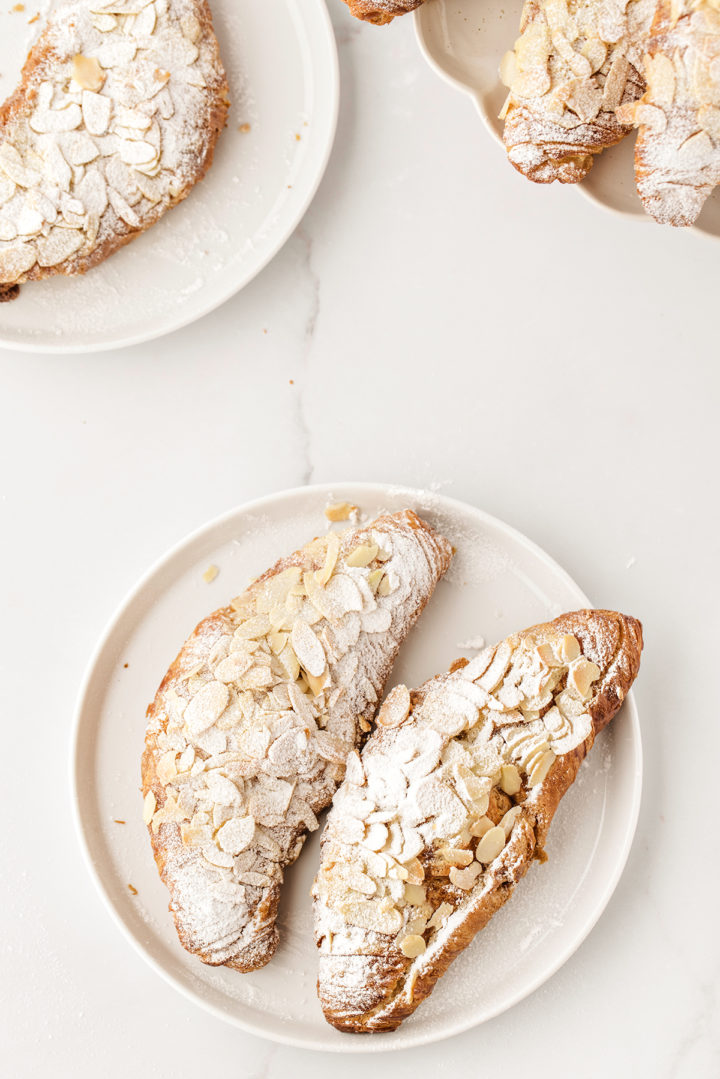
{"x": 443, "y": 323}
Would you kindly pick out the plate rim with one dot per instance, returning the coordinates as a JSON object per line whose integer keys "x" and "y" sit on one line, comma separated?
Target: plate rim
{"x": 331, "y": 112}
{"x": 346, "y": 1043}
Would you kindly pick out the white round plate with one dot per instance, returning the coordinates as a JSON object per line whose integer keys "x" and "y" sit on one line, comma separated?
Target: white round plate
{"x": 464, "y": 42}
{"x": 499, "y": 582}
{"x": 282, "y": 68}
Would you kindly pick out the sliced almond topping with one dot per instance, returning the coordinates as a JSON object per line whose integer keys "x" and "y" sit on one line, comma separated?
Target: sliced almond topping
{"x": 457, "y": 856}
{"x": 465, "y": 878}
{"x": 340, "y": 511}
{"x": 166, "y": 769}
{"x": 206, "y": 707}
{"x": 87, "y": 72}
{"x": 362, "y": 555}
{"x": 542, "y": 768}
{"x": 510, "y": 781}
{"x": 331, "y": 556}
{"x": 396, "y": 707}
{"x": 415, "y": 894}
{"x": 307, "y": 648}
{"x": 233, "y": 667}
{"x": 377, "y": 915}
{"x": 236, "y": 835}
{"x": 317, "y": 685}
{"x": 490, "y": 845}
{"x": 277, "y": 641}
{"x": 416, "y": 873}
{"x": 440, "y": 915}
{"x": 509, "y": 819}
{"x": 210, "y": 574}
{"x": 254, "y": 627}
{"x": 581, "y": 676}
{"x": 385, "y": 587}
{"x": 481, "y": 827}
{"x": 546, "y": 655}
{"x": 568, "y": 648}
{"x": 149, "y": 806}
{"x": 412, "y": 946}
{"x": 289, "y": 661}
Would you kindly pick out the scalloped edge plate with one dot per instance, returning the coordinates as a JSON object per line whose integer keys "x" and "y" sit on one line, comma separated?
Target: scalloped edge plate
{"x": 463, "y": 41}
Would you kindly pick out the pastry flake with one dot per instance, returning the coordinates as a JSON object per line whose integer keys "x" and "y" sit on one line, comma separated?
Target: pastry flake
{"x": 250, "y": 731}
{"x": 441, "y": 815}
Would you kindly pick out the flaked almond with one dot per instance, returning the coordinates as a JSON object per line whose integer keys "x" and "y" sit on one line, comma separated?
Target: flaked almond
{"x": 206, "y": 707}
{"x": 396, "y": 707}
{"x": 541, "y": 768}
{"x": 236, "y": 835}
{"x": 374, "y": 578}
{"x": 416, "y": 873}
{"x": 277, "y": 640}
{"x": 319, "y": 684}
{"x": 490, "y": 845}
{"x": 331, "y": 556}
{"x": 384, "y": 588}
{"x": 568, "y": 648}
{"x": 289, "y": 662}
{"x": 457, "y": 856}
{"x": 252, "y": 628}
{"x": 210, "y": 574}
{"x": 439, "y": 916}
{"x": 166, "y": 768}
{"x": 510, "y": 781}
{"x": 340, "y": 511}
{"x": 412, "y": 946}
{"x": 465, "y": 878}
{"x": 581, "y": 676}
{"x": 377, "y": 915}
{"x": 307, "y": 648}
{"x": 415, "y": 894}
{"x": 546, "y": 655}
{"x": 509, "y": 819}
{"x": 362, "y": 555}
{"x": 87, "y": 72}
{"x": 481, "y": 827}
{"x": 149, "y": 806}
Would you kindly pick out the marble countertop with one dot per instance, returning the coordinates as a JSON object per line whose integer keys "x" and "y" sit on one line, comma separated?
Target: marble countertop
{"x": 437, "y": 322}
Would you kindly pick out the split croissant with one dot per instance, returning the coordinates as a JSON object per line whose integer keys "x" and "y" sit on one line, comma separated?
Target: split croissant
{"x": 452, "y": 798}
{"x": 249, "y": 732}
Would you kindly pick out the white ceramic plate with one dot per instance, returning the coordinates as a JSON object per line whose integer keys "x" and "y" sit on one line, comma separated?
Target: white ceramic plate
{"x": 498, "y": 582}
{"x": 464, "y": 42}
{"x": 282, "y": 68}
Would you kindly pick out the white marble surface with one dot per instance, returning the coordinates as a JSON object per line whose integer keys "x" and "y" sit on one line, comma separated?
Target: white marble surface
{"x": 435, "y": 321}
